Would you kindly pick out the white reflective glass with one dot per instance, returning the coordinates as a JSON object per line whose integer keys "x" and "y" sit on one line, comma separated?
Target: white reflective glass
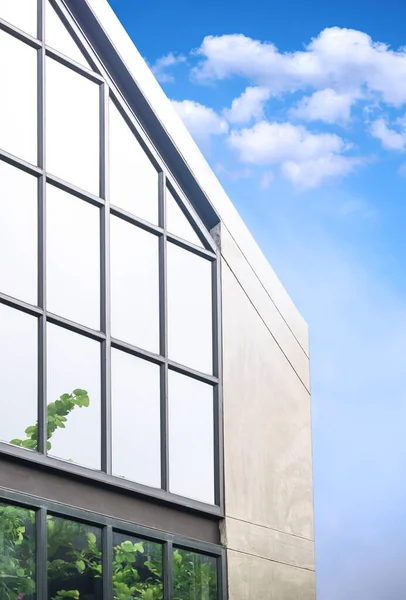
{"x": 21, "y": 14}
{"x": 58, "y": 37}
{"x": 74, "y": 366}
{"x": 136, "y": 419}
{"x": 134, "y": 285}
{"x": 72, "y": 126}
{"x": 18, "y": 233}
{"x": 18, "y": 374}
{"x": 189, "y": 309}
{"x": 133, "y": 177}
{"x": 73, "y": 258}
{"x": 177, "y": 223}
{"x": 18, "y": 99}
{"x": 191, "y": 446}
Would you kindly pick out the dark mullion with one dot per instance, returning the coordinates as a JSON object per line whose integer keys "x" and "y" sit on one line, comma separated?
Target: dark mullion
{"x": 217, "y": 397}
{"x": 42, "y": 334}
{"x": 41, "y": 553}
{"x": 107, "y": 562}
{"x": 167, "y": 558}
{"x": 106, "y": 416}
{"x": 221, "y": 564}
{"x": 163, "y": 330}
{"x": 19, "y": 34}
{"x": 71, "y": 64}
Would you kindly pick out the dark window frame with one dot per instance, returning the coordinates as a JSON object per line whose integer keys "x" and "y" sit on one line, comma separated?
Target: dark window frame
{"x": 108, "y": 525}
{"x": 109, "y": 89}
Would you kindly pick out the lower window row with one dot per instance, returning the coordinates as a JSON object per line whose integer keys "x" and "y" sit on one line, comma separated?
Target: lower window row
{"x": 73, "y": 559}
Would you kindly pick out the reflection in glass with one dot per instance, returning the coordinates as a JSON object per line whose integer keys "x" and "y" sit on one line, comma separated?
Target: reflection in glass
{"x": 58, "y": 37}
{"x": 137, "y": 568}
{"x": 73, "y": 397}
{"x": 17, "y": 553}
{"x": 72, "y": 126}
{"x": 136, "y": 419}
{"x": 21, "y": 14}
{"x": 194, "y": 576}
{"x": 18, "y": 234}
{"x": 133, "y": 178}
{"x": 18, "y": 376}
{"x": 73, "y": 258}
{"x": 177, "y": 223}
{"x": 189, "y": 309}
{"x": 74, "y": 560}
{"x": 191, "y": 447}
{"x": 134, "y": 285}
{"x": 18, "y": 107}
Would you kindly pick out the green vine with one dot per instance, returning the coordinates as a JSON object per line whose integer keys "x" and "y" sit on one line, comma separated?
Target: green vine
{"x": 57, "y": 413}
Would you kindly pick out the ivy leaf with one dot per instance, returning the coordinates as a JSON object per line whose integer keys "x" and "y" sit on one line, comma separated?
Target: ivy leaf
{"x": 30, "y": 430}
{"x": 16, "y": 442}
{"x": 80, "y": 565}
{"x": 30, "y": 444}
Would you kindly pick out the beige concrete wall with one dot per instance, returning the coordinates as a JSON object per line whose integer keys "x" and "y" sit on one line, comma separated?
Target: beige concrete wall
{"x": 268, "y": 529}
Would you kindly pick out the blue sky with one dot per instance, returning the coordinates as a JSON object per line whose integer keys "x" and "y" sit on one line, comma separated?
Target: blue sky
{"x": 301, "y": 113}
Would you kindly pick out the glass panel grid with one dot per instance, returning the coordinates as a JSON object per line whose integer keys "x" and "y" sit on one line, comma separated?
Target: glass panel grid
{"x": 158, "y": 355}
{"x": 54, "y": 551}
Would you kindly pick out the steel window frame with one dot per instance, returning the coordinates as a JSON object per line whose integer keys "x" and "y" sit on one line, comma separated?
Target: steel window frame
{"x": 108, "y": 92}
{"x": 109, "y": 525}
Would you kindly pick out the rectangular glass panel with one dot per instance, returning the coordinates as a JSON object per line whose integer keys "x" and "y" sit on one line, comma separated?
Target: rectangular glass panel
{"x": 73, "y": 397}
{"x": 17, "y": 553}
{"x": 18, "y": 234}
{"x": 21, "y": 14}
{"x": 134, "y": 285}
{"x": 194, "y": 576}
{"x": 73, "y": 258}
{"x": 136, "y": 419}
{"x": 74, "y": 559}
{"x": 137, "y": 568}
{"x": 133, "y": 177}
{"x": 72, "y": 126}
{"x": 189, "y": 309}
{"x": 18, "y": 376}
{"x": 18, "y": 104}
{"x": 191, "y": 445}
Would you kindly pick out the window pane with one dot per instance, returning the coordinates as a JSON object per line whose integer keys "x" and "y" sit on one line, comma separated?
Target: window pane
{"x": 73, "y": 381}
{"x": 137, "y": 568}
{"x": 136, "y": 419}
{"x": 58, "y": 37}
{"x": 72, "y": 131}
{"x": 189, "y": 309}
{"x": 17, "y": 553}
{"x": 194, "y": 576}
{"x": 73, "y": 258}
{"x": 18, "y": 376}
{"x": 134, "y": 285}
{"x": 191, "y": 447}
{"x": 18, "y": 234}
{"x": 133, "y": 177}
{"x": 21, "y": 14}
{"x": 18, "y": 106}
{"x": 177, "y": 223}
{"x": 74, "y": 560}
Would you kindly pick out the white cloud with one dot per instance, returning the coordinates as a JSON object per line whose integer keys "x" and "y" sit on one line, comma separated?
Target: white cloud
{"x": 248, "y": 106}
{"x": 390, "y": 138}
{"x": 342, "y": 59}
{"x": 202, "y": 121}
{"x": 159, "y": 68}
{"x": 307, "y": 159}
{"x": 325, "y": 105}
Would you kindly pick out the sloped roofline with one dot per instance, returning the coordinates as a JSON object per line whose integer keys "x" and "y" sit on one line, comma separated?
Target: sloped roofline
{"x": 139, "y": 87}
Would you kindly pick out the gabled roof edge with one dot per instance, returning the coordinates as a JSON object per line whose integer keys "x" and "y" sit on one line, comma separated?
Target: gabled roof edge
{"x": 176, "y": 145}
